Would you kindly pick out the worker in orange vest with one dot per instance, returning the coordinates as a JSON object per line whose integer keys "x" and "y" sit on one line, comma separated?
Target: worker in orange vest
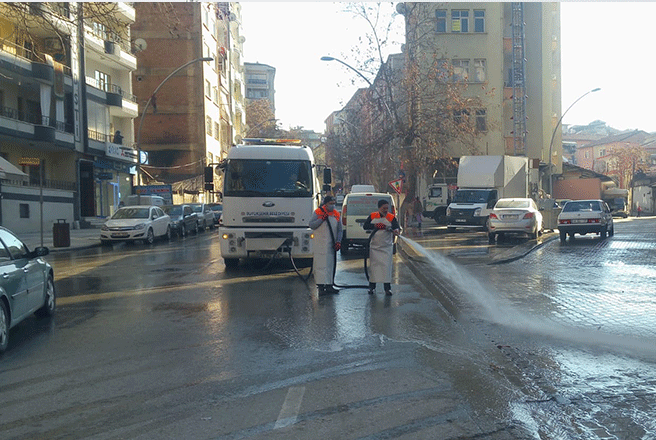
{"x": 325, "y": 244}
{"x": 384, "y": 227}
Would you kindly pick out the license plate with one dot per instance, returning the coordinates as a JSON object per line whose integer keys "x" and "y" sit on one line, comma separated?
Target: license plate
{"x": 120, "y": 235}
{"x": 579, "y": 220}
{"x": 511, "y": 217}
{"x": 461, "y": 220}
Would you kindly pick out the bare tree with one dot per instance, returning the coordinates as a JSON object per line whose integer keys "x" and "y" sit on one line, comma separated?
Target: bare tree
{"x": 420, "y": 110}
{"x": 260, "y": 119}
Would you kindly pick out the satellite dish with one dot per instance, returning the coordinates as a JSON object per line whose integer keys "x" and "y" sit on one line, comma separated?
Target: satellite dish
{"x": 140, "y": 44}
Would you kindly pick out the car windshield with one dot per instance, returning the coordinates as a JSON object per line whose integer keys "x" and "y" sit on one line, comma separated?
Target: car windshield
{"x": 218, "y": 208}
{"x": 471, "y": 196}
{"x": 172, "y": 210}
{"x": 582, "y": 206}
{"x": 268, "y": 178}
{"x": 512, "y": 204}
{"x": 197, "y": 208}
{"x": 124, "y": 213}
{"x": 363, "y": 206}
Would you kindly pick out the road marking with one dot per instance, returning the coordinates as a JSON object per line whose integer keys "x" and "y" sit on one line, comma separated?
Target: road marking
{"x": 290, "y": 407}
{"x": 78, "y": 299}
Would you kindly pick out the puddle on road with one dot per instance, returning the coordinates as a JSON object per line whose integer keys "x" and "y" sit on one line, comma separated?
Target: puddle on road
{"x": 602, "y": 386}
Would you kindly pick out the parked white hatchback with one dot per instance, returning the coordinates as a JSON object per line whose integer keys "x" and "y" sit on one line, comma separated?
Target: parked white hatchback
{"x": 140, "y": 222}
{"x": 518, "y": 215}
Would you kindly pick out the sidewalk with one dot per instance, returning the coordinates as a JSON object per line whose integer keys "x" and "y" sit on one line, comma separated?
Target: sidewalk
{"x": 80, "y": 239}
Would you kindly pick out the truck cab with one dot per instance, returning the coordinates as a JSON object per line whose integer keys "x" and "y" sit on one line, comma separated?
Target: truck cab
{"x": 270, "y": 191}
{"x": 471, "y": 207}
{"x": 436, "y": 201}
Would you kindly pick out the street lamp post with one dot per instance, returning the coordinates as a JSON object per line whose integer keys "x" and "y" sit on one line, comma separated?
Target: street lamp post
{"x": 553, "y": 135}
{"x": 327, "y": 58}
{"x": 143, "y": 114}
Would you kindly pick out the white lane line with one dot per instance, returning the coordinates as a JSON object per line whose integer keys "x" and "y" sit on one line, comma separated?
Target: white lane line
{"x": 290, "y": 407}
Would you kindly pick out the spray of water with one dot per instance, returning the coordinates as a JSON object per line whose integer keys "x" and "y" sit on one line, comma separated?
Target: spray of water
{"x": 500, "y": 311}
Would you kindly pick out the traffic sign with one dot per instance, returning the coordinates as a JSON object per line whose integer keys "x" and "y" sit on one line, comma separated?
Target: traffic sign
{"x": 397, "y": 185}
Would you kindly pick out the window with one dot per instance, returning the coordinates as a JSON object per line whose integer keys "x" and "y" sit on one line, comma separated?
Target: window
{"x": 586, "y": 154}
{"x": 24, "y": 209}
{"x": 459, "y": 21}
{"x": 215, "y": 96}
{"x": 440, "y": 16}
{"x": 479, "y": 71}
{"x": 206, "y": 51}
{"x": 460, "y": 116}
{"x": 208, "y": 125}
{"x": 216, "y": 131}
{"x": 481, "y": 120}
{"x": 479, "y": 20}
{"x": 102, "y": 80}
{"x": 602, "y": 152}
{"x": 460, "y": 70}
{"x": 208, "y": 89}
{"x": 15, "y": 247}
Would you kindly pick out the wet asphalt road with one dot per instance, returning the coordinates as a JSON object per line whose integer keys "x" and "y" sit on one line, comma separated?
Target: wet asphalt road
{"x": 577, "y": 320}
{"x": 161, "y": 342}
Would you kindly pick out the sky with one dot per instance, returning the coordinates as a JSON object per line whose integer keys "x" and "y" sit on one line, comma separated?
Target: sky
{"x": 604, "y": 45}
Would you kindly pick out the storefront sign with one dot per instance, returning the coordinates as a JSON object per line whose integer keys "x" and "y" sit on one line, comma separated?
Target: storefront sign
{"x": 105, "y": 176}
{"x": 116, "y": 151}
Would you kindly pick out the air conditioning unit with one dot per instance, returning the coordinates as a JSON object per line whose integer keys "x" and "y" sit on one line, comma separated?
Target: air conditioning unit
{"x": 53, "y": 45}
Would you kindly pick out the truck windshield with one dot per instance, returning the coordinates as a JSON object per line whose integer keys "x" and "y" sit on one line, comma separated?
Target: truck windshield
{"x": 471, "y": 196}
{"x": 268, "y": 178}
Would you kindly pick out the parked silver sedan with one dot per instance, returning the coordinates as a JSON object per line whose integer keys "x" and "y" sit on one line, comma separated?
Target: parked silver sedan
{"x": 583, "y": 217}
{"x": 27, "y": 284}
{"x": 515, "y": 216}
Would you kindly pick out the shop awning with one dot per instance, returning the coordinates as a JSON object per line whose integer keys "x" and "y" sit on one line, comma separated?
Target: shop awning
{"x": 10, "y": 172}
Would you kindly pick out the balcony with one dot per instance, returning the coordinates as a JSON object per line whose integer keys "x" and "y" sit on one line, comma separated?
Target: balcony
{"x": 107, "y": 46}
{"x": 120, "y": 102}
{"x": 36, "y": 127}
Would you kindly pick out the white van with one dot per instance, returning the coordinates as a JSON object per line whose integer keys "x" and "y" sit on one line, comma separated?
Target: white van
{"x": 355, "y": 210}
{"x": 135, "y": 199}
{"x": 363, "y": 189}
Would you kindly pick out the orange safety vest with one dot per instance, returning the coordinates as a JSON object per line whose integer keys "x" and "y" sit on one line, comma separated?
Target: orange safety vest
{"x": 389, "y": 216}
{"x": 321, "y": 211}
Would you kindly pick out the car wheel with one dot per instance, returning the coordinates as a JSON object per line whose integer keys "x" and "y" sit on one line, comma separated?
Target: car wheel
{"x": 231, "y": 263}
{"x": 612, "y": 231}
{"x": 491, "y": 236}
{"x": 105, "y": 242}
{"x": 196, "y": 229}
{"x": 48, "y": 308}
{"x": 4, "y": 326}
{"x": 183, "y": 231}
{"x": 150, "y": 237}
{"x": 534, "y": 234}
{"x": 451, "y": 228}
{"x": 563, "y": 236}
{"x": 603, "y": 233}
{"x": 168, "y": 233}
{"x": 204, "y": 226}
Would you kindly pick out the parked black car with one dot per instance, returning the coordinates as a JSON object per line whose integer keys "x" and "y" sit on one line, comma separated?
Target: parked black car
{"x": 183, "y": 219}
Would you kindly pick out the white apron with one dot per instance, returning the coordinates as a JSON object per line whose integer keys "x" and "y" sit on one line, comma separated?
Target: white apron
{"x": 324, "y": 252}
{"x": 380, "y": 253}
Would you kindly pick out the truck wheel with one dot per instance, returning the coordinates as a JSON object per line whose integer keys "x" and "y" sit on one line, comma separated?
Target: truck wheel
{"x": 231, "y": 263}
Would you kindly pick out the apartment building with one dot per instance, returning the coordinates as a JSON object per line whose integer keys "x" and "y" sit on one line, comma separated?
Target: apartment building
{"x": 260, "y": 81}
{"x": 508, "y": 54}
{"x": 67, "y": 111}
{"x": 197, "y": 113}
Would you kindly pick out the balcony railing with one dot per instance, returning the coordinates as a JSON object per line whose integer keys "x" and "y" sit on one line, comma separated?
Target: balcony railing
{"x": 111, "y": 88}
{"x": 47, "y": 183}
{"x": 98, "y": 136}
{"x": 36, "y": 119}
{"x": 27, "y": 54}
{"x": 99, "y": 31}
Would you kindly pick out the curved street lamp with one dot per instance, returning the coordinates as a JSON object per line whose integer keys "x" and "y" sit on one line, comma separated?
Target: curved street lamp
{"x": 143, "y": 114}
{"x": 554, "y": 134}
{"x": 328, "y": 58}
